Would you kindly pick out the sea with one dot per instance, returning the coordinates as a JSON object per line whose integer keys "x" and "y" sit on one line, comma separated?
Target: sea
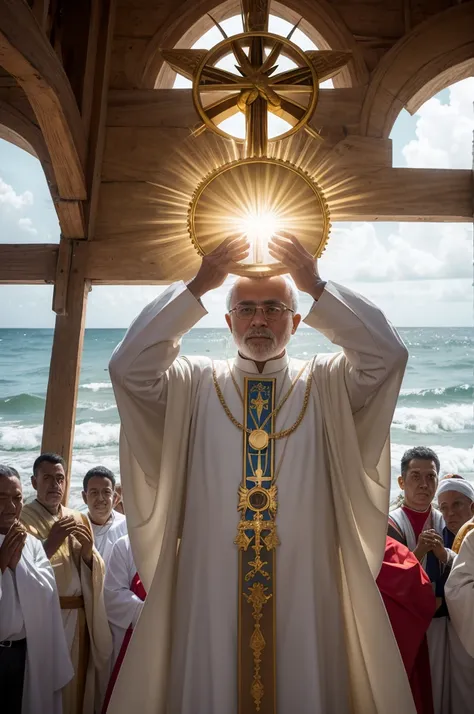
{"x": 435, "y": 407}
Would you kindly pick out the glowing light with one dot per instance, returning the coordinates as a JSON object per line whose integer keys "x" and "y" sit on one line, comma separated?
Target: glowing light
{"x": 259, "y": 227}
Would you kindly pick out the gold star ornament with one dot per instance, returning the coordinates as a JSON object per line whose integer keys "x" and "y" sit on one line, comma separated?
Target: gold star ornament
{"x": 257, "y": 195}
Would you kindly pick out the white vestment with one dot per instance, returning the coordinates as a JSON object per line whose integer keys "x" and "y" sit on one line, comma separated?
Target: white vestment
{"x": 29, "y": 597}
{"x": 459, "y": 593}
{"x": 105, "y": 536}
{"x": 122, "y": 605}
{"x": 181, "y": 466}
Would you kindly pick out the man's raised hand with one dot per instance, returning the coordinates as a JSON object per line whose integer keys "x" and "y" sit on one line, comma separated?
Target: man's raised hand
{"x": 216, "y": 266}
{"x": 63, "y": 528}
{"x": 301, "y": 265}
{"x": 12, "y": 547}
{"x": 84, "y": 536}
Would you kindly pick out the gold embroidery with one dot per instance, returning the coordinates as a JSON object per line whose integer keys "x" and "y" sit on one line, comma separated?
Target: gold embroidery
{"x": 257, "y": 598}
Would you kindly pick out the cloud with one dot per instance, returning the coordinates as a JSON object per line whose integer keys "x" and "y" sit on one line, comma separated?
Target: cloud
{"x": 444, "y": 131}
{"x": 367, "y": 252}
{"x": 10, "y": 198}
{"x": 26, "y": 224}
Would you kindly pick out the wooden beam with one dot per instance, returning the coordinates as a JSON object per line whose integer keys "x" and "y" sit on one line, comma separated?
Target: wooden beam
{"x": 71, "y": 219}
{"x": 63, "y": 269}
{"x": 99, "y": 90}
{"x": 174, "y": 108}
{"x": 61, "y": 398}
{"x": 29, "y": 263}
{"x": 27, "y": 55}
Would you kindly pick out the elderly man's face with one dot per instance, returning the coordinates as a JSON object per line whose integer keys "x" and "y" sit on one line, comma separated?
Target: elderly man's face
{"x": 258, "y": 337}
{"x": 456, "y": 509}
{"x": 11, "y": 502}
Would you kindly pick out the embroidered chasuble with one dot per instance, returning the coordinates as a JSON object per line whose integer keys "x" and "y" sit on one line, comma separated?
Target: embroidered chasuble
{"x": 188, "y": 472}
{"x": 81, "y": 598}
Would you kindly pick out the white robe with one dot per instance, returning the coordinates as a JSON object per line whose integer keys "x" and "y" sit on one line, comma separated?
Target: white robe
{"x": 105, "y": 536}
{"x": 181, "y": 466}
{"x": 48, "y": 665}
{"x": 122, "y": 605}
{"x": 459, "y": 593}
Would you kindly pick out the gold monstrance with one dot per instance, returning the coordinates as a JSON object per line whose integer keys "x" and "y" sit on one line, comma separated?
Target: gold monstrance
{"x": 257, "y": 195}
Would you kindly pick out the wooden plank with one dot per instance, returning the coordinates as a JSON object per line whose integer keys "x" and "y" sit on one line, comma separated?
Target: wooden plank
{"x": 99, "y": 110}
{"x": 434, "y": 195}
{"x": 141, "y": 211}
{"x": 61, "y": 398}
{"x": 174, "y": 108}
{"x": 126, "y": 64}
{"x": 28, "y": 263}
{"x": 71, "y": 219}
{"x": 63, "y": 269}
{"x": 27, "y": 55}
{"x": 141, "y": 19}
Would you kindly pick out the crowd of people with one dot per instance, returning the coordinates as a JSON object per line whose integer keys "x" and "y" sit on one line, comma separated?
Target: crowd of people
{"x": 70, "y": 594}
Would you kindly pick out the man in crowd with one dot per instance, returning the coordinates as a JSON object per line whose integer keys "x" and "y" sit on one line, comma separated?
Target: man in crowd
{"x": 107, "y": 524}
{"x": 197, "y": 446}
{"x": 422, "y": 529}
{"x": 455, "y": 498}
{"x": 408, "y": 596}
{"x": 124, "y": 596}
{"x": 34, "y": 657}
{"x": 79, "y": 573}
{"x": 119, "y": 507}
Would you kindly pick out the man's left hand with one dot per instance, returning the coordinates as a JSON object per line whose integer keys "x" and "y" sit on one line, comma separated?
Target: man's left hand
{"x": 302, "y": 266}
{"x": 85, "y": 538}
{"x": 438, "y": 546}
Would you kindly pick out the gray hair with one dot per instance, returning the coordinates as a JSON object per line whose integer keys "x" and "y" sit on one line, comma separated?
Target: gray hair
{"x": 294, "y": 297}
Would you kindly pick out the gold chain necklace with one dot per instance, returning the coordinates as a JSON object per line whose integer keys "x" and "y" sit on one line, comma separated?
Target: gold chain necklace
{"x": 258, "y": 438}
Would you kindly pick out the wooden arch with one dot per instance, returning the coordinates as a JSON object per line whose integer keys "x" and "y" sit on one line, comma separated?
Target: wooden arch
{"x": 190, "y": 21}
{"x": 16, "y": 128}
{"x": 28, "y": 56}
{"x": 432, "y": 56}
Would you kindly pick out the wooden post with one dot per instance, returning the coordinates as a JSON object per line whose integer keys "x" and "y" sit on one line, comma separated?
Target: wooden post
{"x": 61, "y": 399}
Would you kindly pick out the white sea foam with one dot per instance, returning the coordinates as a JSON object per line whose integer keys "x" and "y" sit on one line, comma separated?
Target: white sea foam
{"x": 88, "y": 435}
{"x": 452, "y": 458}
{"x": 96, "y": 386}
{"x": 452, "y": 418}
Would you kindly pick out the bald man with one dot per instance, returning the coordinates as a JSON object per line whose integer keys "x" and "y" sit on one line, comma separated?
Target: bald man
{"x": 274, "y": 474}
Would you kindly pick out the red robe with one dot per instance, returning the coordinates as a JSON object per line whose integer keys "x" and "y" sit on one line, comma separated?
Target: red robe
{"x": 410, "y": 601}
{"x": 137, "y": 588}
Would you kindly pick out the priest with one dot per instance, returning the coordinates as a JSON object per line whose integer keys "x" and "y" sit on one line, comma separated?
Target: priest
{"x": 79, "y": 573}
{"x": 34, "y": 657}
{"x": 274, "y": 476}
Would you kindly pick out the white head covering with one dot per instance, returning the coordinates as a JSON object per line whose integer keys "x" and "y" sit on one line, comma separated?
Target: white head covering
{"x": 456, "y": 484}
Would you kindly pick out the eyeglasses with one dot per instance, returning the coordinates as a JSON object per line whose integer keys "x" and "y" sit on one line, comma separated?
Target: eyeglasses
{"x": 273, "y": 311}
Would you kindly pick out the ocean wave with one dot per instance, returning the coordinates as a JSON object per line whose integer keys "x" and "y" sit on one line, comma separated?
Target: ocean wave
{"x": 461, "y": 391}
{"x": 96, "y": 386}
{"x": 88, "y": 435}
{"x": 453, "y": 459}
{"x": 450, "y": 418}
{"x": 22, "y": 403}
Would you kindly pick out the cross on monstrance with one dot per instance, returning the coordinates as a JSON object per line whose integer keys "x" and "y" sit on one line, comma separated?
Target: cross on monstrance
{"x": 273, "y": 188}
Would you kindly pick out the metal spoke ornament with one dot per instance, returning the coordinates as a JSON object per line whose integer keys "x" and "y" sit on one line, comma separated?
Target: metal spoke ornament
{"x": 257, "y": 195}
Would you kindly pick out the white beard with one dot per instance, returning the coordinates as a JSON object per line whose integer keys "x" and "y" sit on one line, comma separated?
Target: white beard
{"x": 264, "y": 350}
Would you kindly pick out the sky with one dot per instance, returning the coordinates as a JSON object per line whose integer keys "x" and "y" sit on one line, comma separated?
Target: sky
{"x": 420, "y": 274}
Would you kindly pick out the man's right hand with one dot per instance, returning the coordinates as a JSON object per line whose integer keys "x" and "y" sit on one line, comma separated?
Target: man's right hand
{"x": 12, "y": 547}
{"x": 58, "y": 534}
{"x": 216, "y": 266}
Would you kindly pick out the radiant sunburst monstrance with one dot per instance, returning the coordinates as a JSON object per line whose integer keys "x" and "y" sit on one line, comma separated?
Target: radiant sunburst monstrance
{"x": 257, "y": 195}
